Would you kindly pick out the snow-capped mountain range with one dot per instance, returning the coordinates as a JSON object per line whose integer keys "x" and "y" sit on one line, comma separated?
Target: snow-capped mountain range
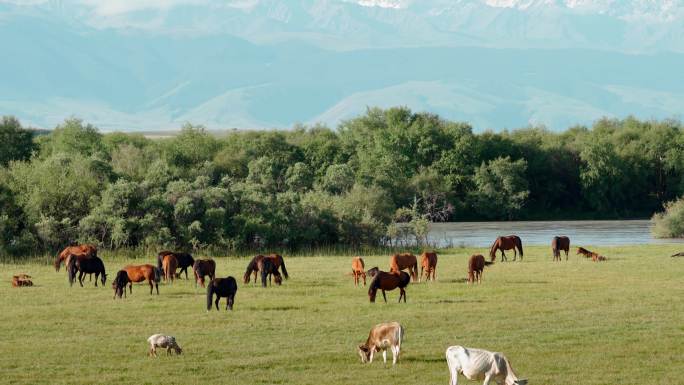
{"x": 154, "y": 64}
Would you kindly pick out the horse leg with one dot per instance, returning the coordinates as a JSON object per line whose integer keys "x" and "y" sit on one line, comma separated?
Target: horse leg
{"x": 151, "y": 286}
{"x": 515, "y": 254}
{"x": 156, "y": 285}
{"x": 80, "y": 278}
{"x": 363, "y": 274}
{"x": 384, "y": 296}
{"x": 218, "y": 299}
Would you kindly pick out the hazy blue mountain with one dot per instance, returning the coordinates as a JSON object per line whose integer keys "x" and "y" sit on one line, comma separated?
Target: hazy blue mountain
{"x": 141, "y": 65}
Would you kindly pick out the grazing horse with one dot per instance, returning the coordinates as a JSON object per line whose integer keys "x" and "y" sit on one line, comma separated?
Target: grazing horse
{"x": 169, "y": 265}
{"x": 202, "y": 268}
{"x": 506, "y": 243}
{"x": 558, "y": 244}
{"x": 476, "y": 265}
{"x": 358, "y": 270}
{"x": 267, "y": 267}
{"x": 389, "y": 281}
{"x": 86, "y": 251}
{"x": 428, "y": 263}
{"x": 222, "y": 287}
{"x": 399, "y": 262}
{"x": 253, "y": 266}
{"x": 141, "y": 273}
{"x": 185, "y": 260}
{"x": 119, "y": 284}
{"x": 590, "y": 254}
{"x": 92, "y": 265}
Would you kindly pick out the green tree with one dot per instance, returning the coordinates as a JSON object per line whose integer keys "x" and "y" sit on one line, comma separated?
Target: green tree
{"x": 501, "y": 188}
{"x": 16, "y": 143}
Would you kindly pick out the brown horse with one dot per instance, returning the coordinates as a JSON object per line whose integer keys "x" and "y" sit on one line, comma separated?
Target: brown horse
{"x": 140, "y": 273}
{"x": 22, "y": 279}
{"x": 268, "y": 267}
{"x": 202, "y": 268}
{"x": 389, "y": 281}
{"x": 399, "y": 262}
{"x": 253, "y": 269}
{"x": 428, "y": 262}
{"x": 590, "y": 254}
{"x": 80, "y": 251}
{"x": 558, "y": 244}
{"x": 506, "y": 243}
{"x": 185, "y": 260}
{"x": 476, "y": 265}
{"x": 358, "y": 270}
{"x": 169, "y": 266}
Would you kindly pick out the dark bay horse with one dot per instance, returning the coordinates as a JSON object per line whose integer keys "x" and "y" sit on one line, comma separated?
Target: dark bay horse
{"x": 428, "y": 263}
{"x": 399, "y": 262}
{"x": 389, "y": 281}
{"x": 141, "y": 273}
{"x": 222, "y": 287}
{"x": 558, "y": 244}
{"x": 72, "y": 264}
{"x": 84, "y": 251}
{"x": 185, "y": 260}
{"x": 506, "y": 243}
{"x": 202, "y": 268}
{"x": 268, "y": 267}
{"x": 476, "y": 265}
{"x": 119, "y": 283}
{"x": 253, "y": 266}
{"x": 92, "y": 265}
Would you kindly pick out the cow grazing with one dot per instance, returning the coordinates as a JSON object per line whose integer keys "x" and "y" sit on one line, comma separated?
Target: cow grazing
{"x": 382, "y": 336}
{"x": 162, "y": 341}
{"x": 478, "y": 364}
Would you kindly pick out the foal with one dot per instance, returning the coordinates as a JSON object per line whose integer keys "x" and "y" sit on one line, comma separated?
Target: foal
{"x": 428, "y": 263}
{"x": 358, "y": 270}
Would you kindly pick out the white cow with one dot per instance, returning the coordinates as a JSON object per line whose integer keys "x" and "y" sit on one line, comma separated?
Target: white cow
{"x": 478, "y": 364}
{"x": 382, "y": 336}
{"x": 162, "y": 341}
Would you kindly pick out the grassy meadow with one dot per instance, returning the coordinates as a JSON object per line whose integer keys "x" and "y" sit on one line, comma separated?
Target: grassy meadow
{"x": 575, "y": 322}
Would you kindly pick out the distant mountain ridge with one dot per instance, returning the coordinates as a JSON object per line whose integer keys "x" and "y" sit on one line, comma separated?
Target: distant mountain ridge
{"x": 267, "y": 63}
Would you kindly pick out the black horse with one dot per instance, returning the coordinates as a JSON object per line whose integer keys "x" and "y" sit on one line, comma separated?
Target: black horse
{"x": 185, "y": 260}
{"x": 222, "y": 287}
{"x": 389, "y": 281}
{"x": 92, "y": 265}
{"x": 119, "y": 284}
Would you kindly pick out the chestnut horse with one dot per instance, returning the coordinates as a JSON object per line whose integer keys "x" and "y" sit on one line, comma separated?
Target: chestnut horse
{"x": 22, "y": 279}
{"x": 358, "y": 270}
{"x": 476, "y": 265}
{"x": 119, "y": 283}
{"x": 140, "y": 273}
{"x": 558, "y": 244}
{"x": 169, "y": 265}
{"x": 399, "y": 262}
{"x": 428, "y": 262}
{"x": 389, "y": 281}
{"x": 222, "y": 287}
{"x": 202, "y": 268}
{"x": 185, "y": 260}
{"x": 506, "y": 243}
{"x": 590, "y": 254}
{"x": 253, "y": 269}
{"x": 80, "y": 251}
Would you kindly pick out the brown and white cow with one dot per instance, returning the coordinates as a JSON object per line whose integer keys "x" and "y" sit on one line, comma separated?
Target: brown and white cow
{"x": 382, "y": 336}
{"x": 478, "y": 364}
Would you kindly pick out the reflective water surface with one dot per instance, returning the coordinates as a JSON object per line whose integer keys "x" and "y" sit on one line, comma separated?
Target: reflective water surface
{"x": 482, "y": 234}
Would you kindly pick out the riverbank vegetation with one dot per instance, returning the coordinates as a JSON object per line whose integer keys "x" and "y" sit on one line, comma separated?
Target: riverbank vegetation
{"x": 380, "y": 178}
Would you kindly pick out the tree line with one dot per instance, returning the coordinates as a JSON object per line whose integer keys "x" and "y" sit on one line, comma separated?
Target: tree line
{"x": 376, "y": 179}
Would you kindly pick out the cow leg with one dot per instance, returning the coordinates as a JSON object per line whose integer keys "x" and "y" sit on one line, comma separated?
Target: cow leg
{"x": 420, "y": 278}
{"x": 395, "y": 353}
{"x": 384, "y": 355}
{"x": 487, "y": 378}
{"x": 370, "y": 359}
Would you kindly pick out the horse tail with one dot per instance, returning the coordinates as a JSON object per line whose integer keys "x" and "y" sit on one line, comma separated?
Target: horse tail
{"x": 157, "y": 274}
{"x": 210, "y": 294}
{"x": 282, "y": 267}
{"x": 518, "y": 242}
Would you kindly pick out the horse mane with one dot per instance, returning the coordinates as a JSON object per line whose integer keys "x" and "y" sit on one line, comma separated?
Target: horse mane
{"x": 495, "y": 245}
{"x": 518, "y": 243}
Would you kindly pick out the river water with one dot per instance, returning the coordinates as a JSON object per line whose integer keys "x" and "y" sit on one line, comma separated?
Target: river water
{"x": 482, "y": 234}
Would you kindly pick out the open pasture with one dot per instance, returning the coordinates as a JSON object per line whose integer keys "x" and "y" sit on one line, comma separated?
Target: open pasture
{"x": 575, "y": 322}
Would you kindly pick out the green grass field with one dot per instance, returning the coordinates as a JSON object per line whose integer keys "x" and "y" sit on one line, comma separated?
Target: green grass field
{"x": 575, "y": 322}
